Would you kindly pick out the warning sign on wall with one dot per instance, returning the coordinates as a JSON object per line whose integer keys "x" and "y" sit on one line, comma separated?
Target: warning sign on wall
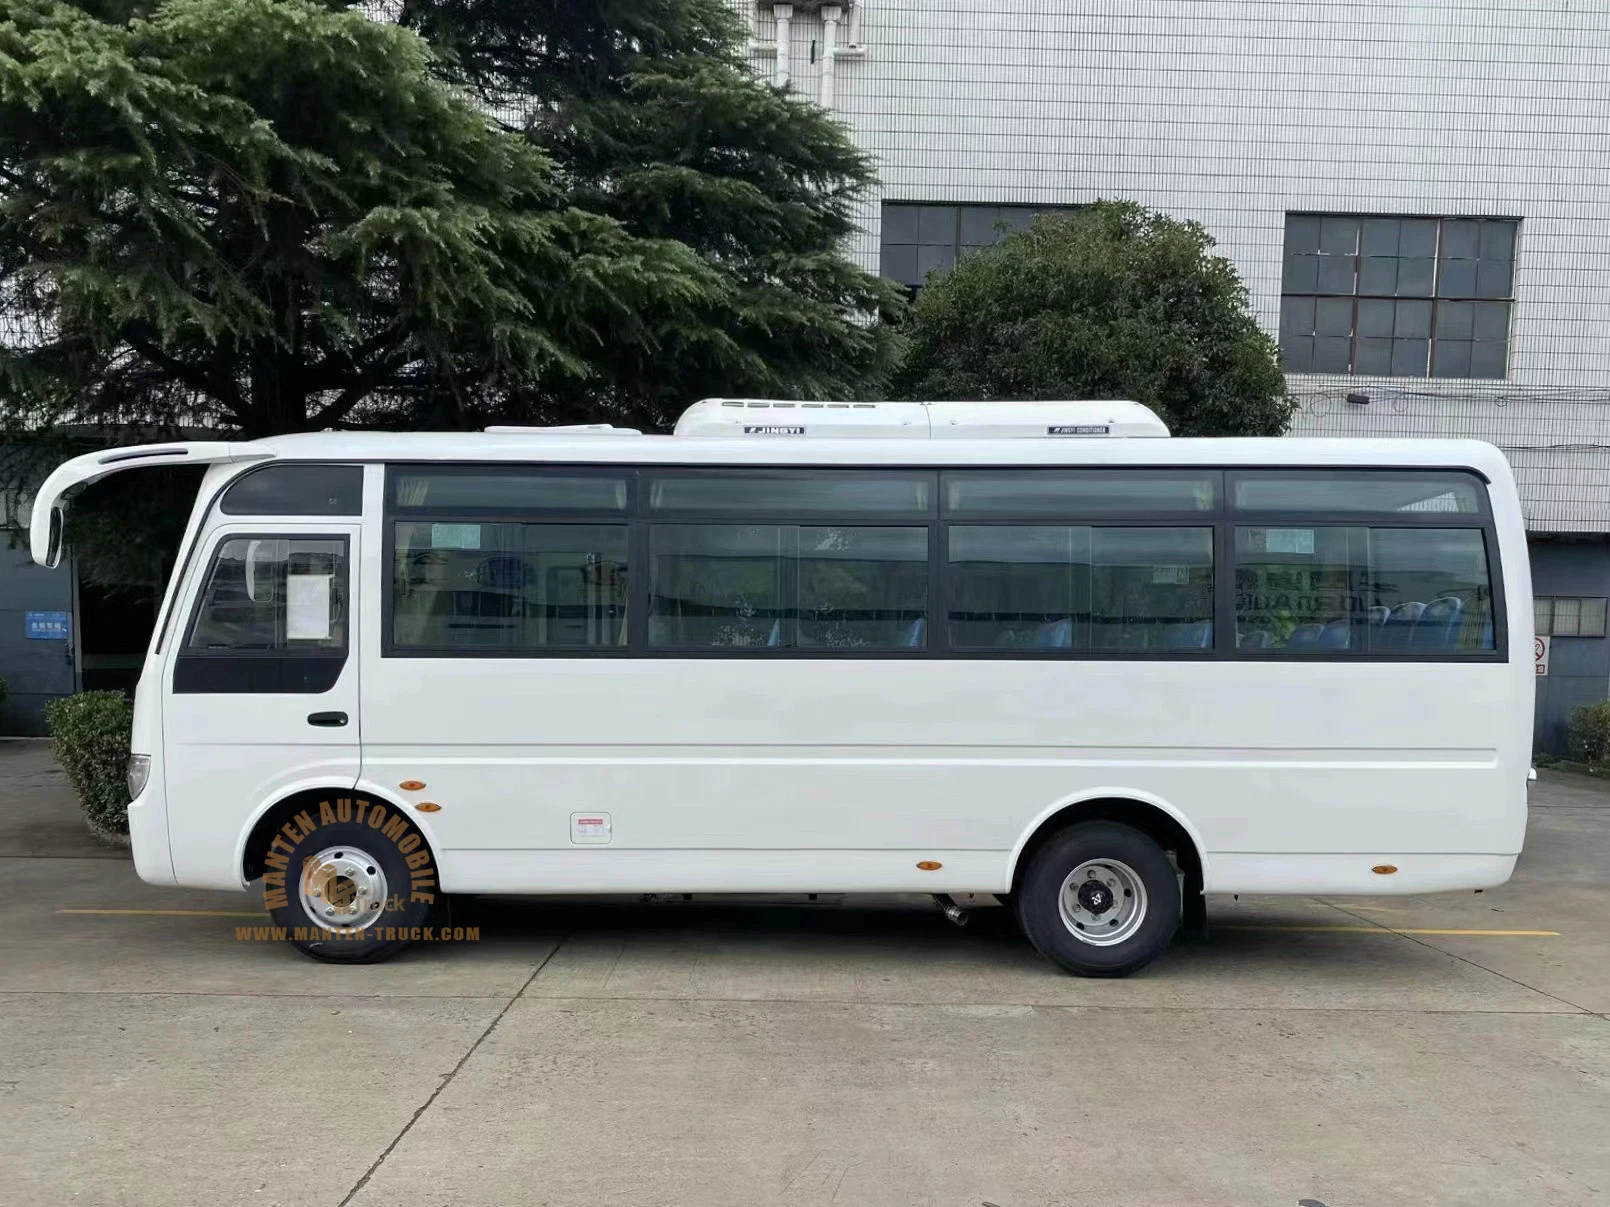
{"x": 1540, "y": 655}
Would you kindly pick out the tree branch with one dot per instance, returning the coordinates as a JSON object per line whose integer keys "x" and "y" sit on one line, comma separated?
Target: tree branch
{"x": 337, "y": 366}
{"x": 356, "y": 392}
{"x": 139, "y": 336}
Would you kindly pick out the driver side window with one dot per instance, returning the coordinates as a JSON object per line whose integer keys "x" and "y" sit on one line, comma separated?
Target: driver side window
{"x": 272, "y": 617}
{"x": 273, "y": 593}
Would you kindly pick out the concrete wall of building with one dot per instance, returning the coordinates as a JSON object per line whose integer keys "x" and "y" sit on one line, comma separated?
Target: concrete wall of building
{"x": 35, "y": 670}
{"x": 1579, "y": 667}
{"x": 1237, "y": 112}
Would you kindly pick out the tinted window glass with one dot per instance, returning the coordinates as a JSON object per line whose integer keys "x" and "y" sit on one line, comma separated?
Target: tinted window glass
{"x": 1335, "y": 588}
{"x": 716, "y": 585}
{"x": 1151, "y": 588}
{"x": 297, "y": 490}
{"x": 1017, "y": 586}
{"x": 266, "y": 594}
{"x": 770, "y": 586}
{"x": 1364, "y": 490}
{"x": 509, "y": 586}
{"x": 863, "y": 588}
{"x": 507, "y": 490}
{"x": 1079, "y": 589}
{"x": 1301, "y": 587}
{"x": 792, "y": 493}
{"x": 1071, "y": 494}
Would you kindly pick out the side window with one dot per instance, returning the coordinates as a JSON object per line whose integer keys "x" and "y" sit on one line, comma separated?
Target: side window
{"x": 272, "y": 617}
{"x": 786, "y": 587}
{"x": 1315, "y": 588}
{"x": 291, "y": 489}
{"x": 509, "y": 587}
{"x": 1056, "y": 587}
{"x": 1060, "y": 494}
{"x": 1383, "y": 491}
{"x": 273, "y": 595}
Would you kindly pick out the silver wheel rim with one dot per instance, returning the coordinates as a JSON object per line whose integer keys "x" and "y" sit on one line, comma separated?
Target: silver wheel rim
{"x": 343, "y": 888}
{"x": 1103, "y": 902}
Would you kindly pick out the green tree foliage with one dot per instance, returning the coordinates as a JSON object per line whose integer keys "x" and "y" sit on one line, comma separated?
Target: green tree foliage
{"x": 260, "y": 216}
{"x": 1109, "y": 301}
{"x": 653, "y": 119}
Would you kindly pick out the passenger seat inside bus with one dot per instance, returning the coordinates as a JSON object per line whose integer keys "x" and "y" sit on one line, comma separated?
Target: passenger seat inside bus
{"x": 1412, "y": 625}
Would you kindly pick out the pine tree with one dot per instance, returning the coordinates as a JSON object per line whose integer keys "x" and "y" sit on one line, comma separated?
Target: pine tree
{"x": 652, "y": 118}
{"x": 258, "y": 216}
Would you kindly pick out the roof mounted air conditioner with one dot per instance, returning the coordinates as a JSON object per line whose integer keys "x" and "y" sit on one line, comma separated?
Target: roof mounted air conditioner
{"x": 764, "y": 418}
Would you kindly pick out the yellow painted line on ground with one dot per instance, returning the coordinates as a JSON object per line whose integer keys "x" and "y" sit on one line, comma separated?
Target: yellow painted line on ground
{"x": 1397, "y": 930}
{"x": 165, "y": 913}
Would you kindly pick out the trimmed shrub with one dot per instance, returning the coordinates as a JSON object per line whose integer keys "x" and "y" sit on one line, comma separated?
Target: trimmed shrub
{"x": 1588, "y": 732}
{"x": 92, "y": 732}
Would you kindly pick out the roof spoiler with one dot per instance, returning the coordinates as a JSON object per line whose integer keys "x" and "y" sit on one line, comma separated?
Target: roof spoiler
{"x": 49, "y": 515}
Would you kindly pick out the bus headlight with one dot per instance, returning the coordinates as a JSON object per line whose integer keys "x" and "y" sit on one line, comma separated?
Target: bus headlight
{"x": 139, "y": 773}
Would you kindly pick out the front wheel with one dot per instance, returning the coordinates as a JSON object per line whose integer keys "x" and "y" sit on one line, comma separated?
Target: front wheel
{"x": 1100, "y": 899}
{"x": 349, "y": 881}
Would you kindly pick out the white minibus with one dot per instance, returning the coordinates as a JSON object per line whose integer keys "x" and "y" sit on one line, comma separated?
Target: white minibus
{"x": 1036, "y": 650}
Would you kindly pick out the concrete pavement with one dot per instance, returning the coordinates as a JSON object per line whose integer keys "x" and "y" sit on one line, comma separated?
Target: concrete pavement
{"x": 859, "y": 1051}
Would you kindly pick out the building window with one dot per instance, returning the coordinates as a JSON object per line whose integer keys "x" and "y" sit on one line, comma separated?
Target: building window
{"x": 919, "y": 238}
{"x": 1397, "y": 297}
{"x": 1569, "y": 616}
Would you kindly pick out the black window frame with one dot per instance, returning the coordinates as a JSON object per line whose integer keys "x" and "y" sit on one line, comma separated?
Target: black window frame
{"x": 1222, "y": 519}
{"x": 262, "y": 672}
{"x": 1435, "y": 298}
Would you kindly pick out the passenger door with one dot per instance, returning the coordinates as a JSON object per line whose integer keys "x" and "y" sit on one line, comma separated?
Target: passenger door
{"x": 262, "y": 681}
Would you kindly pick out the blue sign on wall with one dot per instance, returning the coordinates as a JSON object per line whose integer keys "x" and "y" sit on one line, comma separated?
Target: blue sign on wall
{"x": 47, "y": 626}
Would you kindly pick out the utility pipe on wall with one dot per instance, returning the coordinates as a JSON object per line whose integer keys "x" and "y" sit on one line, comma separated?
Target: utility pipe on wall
{"x": 831, "y": 15}
{"x": 784, "y": 14}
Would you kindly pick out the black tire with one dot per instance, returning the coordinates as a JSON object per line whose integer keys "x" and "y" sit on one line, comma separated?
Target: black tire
{"x": 388, "y": 897}
{"x": 1156, "y": 896}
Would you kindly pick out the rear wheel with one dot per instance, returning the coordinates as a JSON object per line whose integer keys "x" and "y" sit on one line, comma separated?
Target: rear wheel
{"x": 1100, "y": 898}
{"x": 351, "y": 882}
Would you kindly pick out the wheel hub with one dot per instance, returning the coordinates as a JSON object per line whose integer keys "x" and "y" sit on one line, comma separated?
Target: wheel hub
{"x": 1095, "y": 897}
{"x": 1103, "y": 902}
{"x": 343, "y": 888}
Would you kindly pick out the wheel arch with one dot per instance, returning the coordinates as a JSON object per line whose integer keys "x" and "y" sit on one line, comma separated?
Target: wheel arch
{"x": 259, "y": 833}
{"x": 1156, "y": 818}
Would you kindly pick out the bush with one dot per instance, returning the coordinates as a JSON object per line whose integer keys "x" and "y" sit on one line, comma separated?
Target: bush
{"x": 92, "y": 732}
{"x": 1108, "y": 301}
{"x": 1588, "y": 732}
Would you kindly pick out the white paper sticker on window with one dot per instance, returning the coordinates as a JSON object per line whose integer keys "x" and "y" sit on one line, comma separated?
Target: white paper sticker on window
{"x": 1173, "y": 576}
{"x": 455, "y": 536}
{"x": 1288, "y": 540}
{"x": 307, "y": 607}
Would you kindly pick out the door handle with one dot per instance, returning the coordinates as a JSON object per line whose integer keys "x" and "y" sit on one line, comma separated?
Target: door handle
{"x": 333, "y": 719}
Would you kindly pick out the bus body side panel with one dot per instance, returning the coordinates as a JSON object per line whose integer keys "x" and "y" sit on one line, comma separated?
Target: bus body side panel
{"x": 877, "y": 764}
